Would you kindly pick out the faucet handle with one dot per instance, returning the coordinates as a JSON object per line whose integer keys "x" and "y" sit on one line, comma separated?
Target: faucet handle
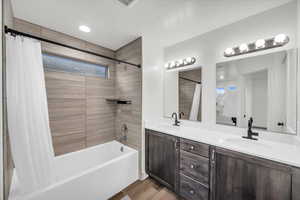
{"x": 181, "y": 114}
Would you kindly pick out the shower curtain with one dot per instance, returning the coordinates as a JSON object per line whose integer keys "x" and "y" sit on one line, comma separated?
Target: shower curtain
{"x": 28, "y": 120}
{"x": 196, "y": 103}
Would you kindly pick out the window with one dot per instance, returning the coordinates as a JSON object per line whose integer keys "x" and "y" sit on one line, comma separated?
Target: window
{"x": 64, "y": 64}
{"x": 220, "y": 91}
{"x": 232, "y": 88}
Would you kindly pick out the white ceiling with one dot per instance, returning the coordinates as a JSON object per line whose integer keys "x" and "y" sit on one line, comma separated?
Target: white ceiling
{"x": 114, "y": 25}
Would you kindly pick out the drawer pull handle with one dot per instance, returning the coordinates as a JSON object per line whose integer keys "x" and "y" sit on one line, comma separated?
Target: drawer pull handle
{"x": 192, "y": 192}
{"x": 192, "y": 166}
{"x": 192, "y": 147}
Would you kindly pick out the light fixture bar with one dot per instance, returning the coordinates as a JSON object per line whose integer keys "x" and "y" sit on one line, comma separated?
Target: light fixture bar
{"x": 180, "y": 63}
{"x": 259, "y": 45}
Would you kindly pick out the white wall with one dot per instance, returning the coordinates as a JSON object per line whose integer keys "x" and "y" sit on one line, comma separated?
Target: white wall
{"x": 298, "y": 34}
{"x": 209, "y": 48}
{"x": 1, "y": 132}
{"x": 8, "y": 20}
{"x": 152, "y": 105}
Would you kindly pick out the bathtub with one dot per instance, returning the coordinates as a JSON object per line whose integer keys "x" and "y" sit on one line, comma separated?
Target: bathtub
{"x": 95, "y": 173}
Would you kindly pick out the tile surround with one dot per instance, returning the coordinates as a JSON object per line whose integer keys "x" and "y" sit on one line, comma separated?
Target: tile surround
{"x": 79, "y": 115}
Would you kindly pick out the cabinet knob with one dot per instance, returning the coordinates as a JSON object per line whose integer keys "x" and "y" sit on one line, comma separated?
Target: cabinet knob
{"x": 192, "y": 192}
{"x": 192, "y": 147}
{"x": 192, "y": 166}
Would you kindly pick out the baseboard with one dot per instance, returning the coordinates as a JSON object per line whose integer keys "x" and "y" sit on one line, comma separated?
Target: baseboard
{"x": 143, "y": 176}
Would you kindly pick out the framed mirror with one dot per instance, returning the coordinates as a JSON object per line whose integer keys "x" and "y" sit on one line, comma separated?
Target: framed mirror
{"x": 182, "y": 93}
{"x": 262, "y": 87}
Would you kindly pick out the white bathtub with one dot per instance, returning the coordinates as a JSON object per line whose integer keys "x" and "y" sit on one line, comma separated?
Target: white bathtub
{"x": 96, "y": 173}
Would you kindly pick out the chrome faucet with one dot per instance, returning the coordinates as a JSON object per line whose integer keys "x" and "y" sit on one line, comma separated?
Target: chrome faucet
{"x": 250, "y": 132}
{"x": 176, "y": 122}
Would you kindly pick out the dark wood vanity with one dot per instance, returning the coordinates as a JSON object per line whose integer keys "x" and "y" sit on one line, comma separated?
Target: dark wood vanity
{"x": 197, "y": 171}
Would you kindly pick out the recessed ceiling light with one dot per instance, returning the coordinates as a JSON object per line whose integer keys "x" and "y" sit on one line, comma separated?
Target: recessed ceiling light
{"x": 84, "y": 28}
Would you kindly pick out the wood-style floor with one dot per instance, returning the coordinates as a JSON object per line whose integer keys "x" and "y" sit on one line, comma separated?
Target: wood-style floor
{"x": 146, "y": 190}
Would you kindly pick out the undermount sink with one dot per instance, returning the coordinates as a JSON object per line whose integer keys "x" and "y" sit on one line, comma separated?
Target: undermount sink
{"x": 241, "y": 142}
{"x": 169, "y": 126}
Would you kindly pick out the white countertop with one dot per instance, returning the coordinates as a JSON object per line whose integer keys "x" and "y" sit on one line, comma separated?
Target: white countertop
{"x": 272, "y": 146}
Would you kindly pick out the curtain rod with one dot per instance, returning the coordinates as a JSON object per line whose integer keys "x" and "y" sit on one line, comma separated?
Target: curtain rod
{"x": 15, "y": 32}
{"x": 198, "y": 82}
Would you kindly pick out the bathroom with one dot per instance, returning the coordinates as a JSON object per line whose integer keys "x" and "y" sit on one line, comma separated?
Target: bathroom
{"x": 149, "y": 100}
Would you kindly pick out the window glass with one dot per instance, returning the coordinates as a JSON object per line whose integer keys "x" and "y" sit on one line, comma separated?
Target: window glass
{"x": 220, "y": 91}
{"x": 64, "y": 64}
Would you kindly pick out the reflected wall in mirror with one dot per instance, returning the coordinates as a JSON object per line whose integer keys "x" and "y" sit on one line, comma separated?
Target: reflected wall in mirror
{"x": 183, "y": 93}
{"x": 262, "y": 87}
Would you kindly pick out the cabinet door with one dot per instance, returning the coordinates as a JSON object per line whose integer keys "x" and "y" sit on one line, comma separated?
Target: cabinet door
{"x": 162, "y": 157}
{"x": 242, "y": 178}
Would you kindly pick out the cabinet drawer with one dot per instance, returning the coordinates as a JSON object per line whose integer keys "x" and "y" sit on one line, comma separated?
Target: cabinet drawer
{"x": 196, "y": 167}
{"x": 194, "y": 147}
{"x": 192, "y": 190}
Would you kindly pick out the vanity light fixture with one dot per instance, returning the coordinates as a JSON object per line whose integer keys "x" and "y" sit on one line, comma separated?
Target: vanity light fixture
{"x": 180, "y": 63}
{"x": 259, "y": 45}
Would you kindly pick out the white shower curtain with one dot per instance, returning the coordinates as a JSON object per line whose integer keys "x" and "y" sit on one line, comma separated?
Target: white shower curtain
{"x": 28, "y": 120}
{"x": 196, "y": 103}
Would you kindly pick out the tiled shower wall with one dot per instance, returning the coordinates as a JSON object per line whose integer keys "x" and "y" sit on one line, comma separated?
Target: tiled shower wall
{"x": 129, "y": 86}
{"x": 79, "y": 114}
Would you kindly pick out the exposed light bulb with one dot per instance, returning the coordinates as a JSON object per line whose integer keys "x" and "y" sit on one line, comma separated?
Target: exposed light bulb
{"x": 221, "y": 77}
{"x": 261, "y": 43}
{"x": 172, "y": 64}
{"x": 84, "y": 28}
{"x": 167, "y": 65}
{"x": 280, "y": 39}
{"x": 180, "y": 62}
{"x": 229, "y": 51}
{"x": 189, "y": 60}
{"x": 243, "y": 48}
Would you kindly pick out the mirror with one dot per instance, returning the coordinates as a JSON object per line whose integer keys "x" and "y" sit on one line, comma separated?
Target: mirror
{"x": 183, "y": 93}
{"x": 262, "y": 87}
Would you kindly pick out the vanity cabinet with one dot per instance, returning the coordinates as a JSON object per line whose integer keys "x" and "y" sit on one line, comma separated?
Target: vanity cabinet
{"x": 162, "y": 158}
{"x": 239, "y": 176}
{"x": 197, "y": 171}
{"x": 194, "y": 170}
